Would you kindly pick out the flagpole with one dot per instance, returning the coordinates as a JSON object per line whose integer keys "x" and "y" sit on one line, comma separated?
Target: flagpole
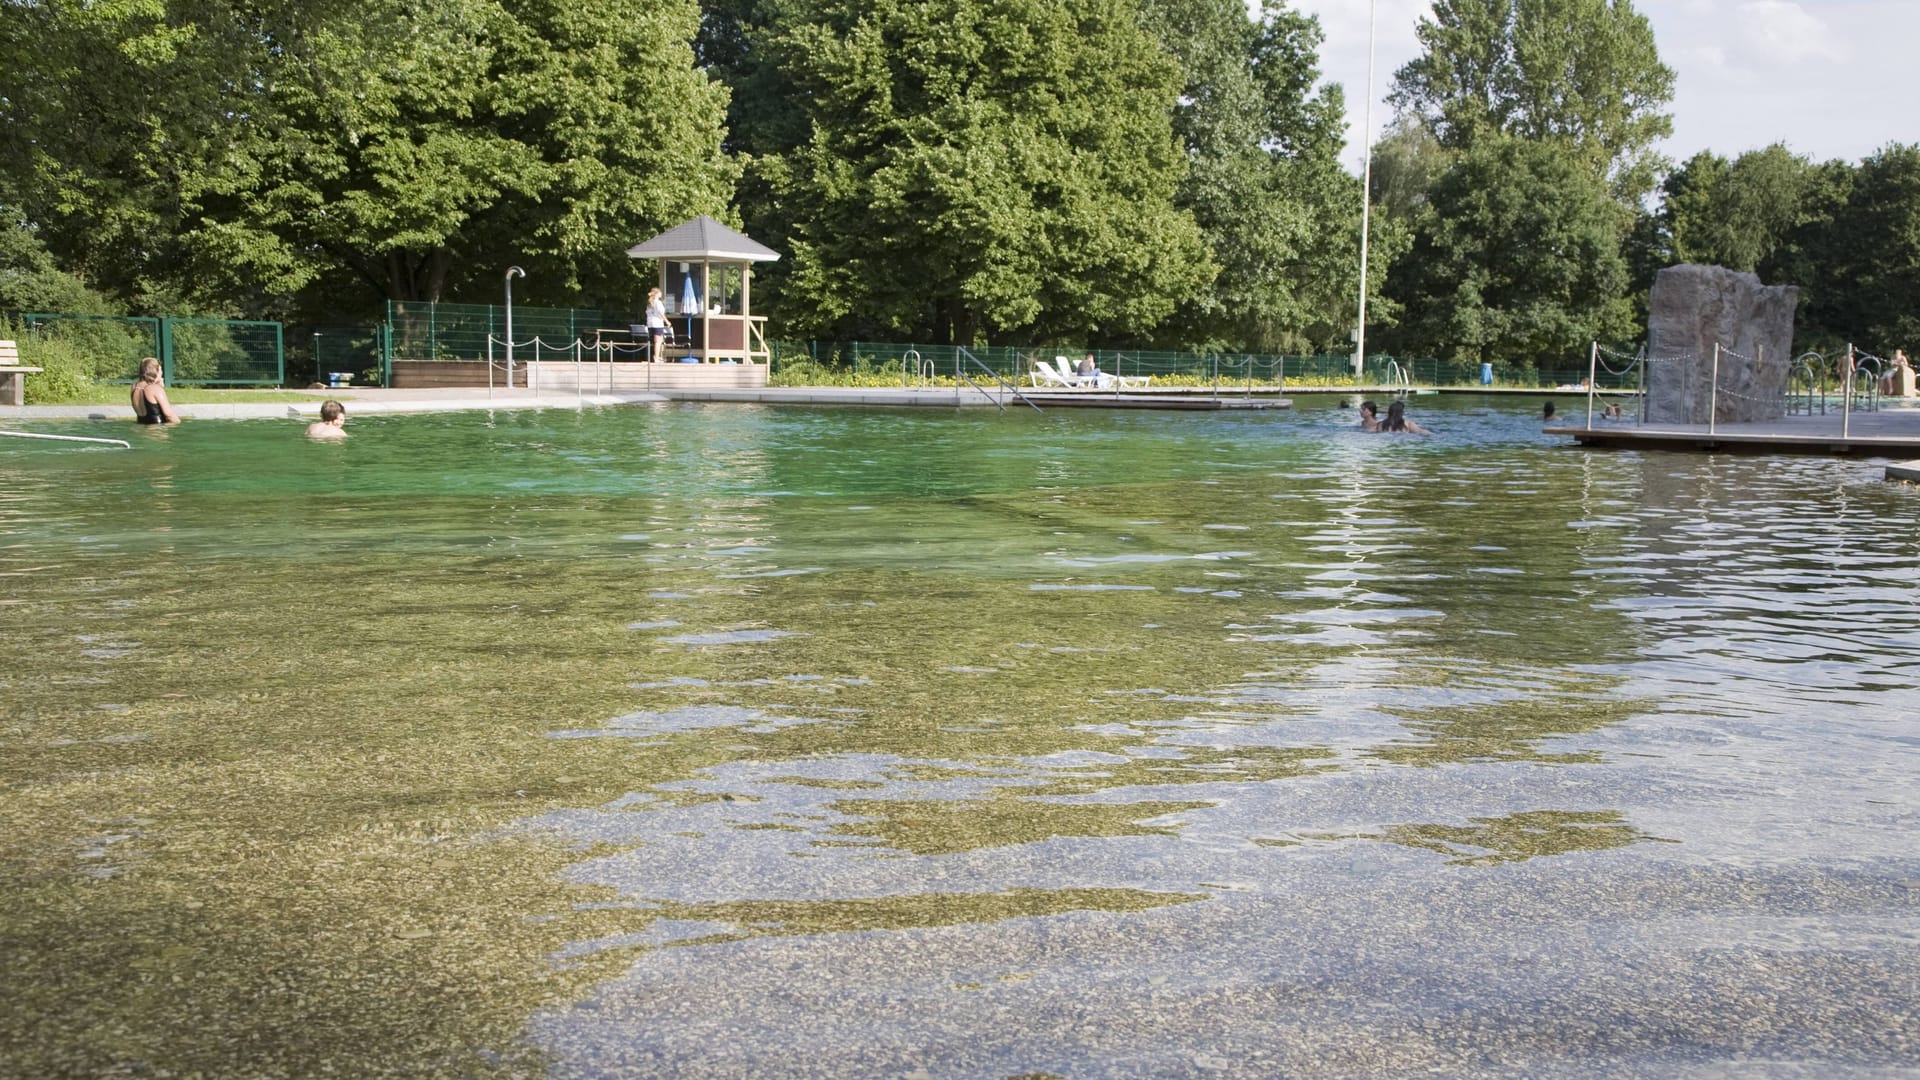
{"x": 1366, "y": 201}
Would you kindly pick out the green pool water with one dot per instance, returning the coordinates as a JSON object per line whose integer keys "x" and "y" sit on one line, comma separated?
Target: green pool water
{"x": 729, "y": 740}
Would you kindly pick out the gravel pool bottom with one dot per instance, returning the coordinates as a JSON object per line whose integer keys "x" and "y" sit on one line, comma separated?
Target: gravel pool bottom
{"x": 740, "y": 741}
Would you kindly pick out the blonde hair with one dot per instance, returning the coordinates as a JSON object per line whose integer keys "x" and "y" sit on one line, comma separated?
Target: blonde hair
{"x": 653, "y": 292}
{"x": 150, "y": 369}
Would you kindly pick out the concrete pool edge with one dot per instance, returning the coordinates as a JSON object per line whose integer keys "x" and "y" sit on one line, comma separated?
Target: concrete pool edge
{"x": 358, "y": 402}
{"x": 368, "y": 401}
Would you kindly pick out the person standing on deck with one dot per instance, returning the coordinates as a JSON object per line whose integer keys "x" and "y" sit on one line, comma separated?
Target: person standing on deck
{"x": 656, "y": 323}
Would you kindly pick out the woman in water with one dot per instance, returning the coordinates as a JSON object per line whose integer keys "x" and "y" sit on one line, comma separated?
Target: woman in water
{"x": 150, "y": 404}
{"x": 1397, "y": 421}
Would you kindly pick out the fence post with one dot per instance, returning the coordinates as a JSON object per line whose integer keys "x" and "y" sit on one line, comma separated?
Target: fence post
{"x": 1642, "y": 365}
{"x": 1846, "y": 394}
{"x": 164, "y": 330}
{"x": 1713, "y": 399}
{"x": 1593, "y": 379}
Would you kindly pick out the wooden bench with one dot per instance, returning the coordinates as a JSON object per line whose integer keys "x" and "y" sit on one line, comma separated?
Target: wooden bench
{"x": 13, "y": 376}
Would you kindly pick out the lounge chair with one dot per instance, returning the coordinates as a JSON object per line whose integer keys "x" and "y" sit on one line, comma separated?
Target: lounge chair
{"x": 1045, "y": 374}
{"x": 1099, "y": 380}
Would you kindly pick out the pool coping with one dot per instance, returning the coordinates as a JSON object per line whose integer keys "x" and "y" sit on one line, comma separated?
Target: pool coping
{"x": 359, "y": 402}
{"x": 368, "y": 401}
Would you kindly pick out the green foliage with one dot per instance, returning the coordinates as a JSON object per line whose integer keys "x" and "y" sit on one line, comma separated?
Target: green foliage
{"x": 68, "y": 371}
{"x": 1735, "y": 215}
{"x": 104, "y": 349}
{"x": 275, "y": 157}
{"x": 1407, "y": 159}
{"x": 977, "y": 168}
{"x": 1864, "y": 278}
{"x": 110, "y": 116}
{"x": 1583, "y": 72}
{"x": 1517, "y": 258}
{"x": 1279, "y": 215}
{"x": 30, "y": 281}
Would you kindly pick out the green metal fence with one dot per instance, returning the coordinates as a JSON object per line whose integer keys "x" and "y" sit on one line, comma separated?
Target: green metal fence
{"x": 910, "y": 361}
{"x": 340, "y": 354}
{"x": 430, "y": 331}
{"x": 192, "y": 351}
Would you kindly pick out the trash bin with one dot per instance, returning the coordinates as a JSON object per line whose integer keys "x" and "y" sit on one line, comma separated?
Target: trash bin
{"x": 1486, "y": 374}
{"x": 339, "y": 378}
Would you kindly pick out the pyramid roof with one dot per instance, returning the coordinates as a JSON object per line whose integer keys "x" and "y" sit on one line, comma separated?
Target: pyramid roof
{"x": 703, "y": 238}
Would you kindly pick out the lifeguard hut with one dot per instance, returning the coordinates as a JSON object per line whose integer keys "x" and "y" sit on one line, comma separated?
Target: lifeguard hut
{"x": 706, "y": 282}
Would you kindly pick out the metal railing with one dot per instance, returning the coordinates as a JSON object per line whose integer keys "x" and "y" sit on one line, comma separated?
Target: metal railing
{"x": 962, "y": 357}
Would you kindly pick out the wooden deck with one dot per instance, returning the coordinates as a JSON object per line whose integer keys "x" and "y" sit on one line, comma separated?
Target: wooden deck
{"x": 1891, "y": 432}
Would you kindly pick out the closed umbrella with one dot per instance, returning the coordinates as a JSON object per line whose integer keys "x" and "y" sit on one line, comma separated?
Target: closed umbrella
{"x": 689, "y": 303}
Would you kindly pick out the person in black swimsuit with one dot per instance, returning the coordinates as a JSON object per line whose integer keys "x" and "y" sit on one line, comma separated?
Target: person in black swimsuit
{"x": 150, "y": 404}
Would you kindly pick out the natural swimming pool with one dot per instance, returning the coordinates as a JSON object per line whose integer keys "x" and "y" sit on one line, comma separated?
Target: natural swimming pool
{"x": 723, "y": 740}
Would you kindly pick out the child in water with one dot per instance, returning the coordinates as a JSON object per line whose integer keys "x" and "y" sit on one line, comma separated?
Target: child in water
{"x": 332, "y": 423}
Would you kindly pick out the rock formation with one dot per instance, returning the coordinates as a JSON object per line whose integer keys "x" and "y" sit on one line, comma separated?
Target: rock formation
{"x": 1691, "y": 309}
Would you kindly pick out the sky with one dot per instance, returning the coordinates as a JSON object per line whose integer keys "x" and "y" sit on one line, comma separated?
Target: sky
{"x": 1830, "y": 78}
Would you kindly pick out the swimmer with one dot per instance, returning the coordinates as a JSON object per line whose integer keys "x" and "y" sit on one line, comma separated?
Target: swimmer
{"x": 332, "y": 423}
{"x": 1546, "y": 413}
{"x": 150, "y": 404}
{"x": 1369, "y": 416}
{"x": 1397, "y": 421}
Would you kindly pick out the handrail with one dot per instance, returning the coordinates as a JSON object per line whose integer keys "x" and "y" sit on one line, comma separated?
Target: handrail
{"x": 959, "y": 372}
{"x": 1398, "y": 376}
{"x": 922, "y": 369}
{"x": 121, "y": 443}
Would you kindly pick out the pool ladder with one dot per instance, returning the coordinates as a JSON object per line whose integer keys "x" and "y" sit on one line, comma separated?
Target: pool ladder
{"x": 922, "y": 370}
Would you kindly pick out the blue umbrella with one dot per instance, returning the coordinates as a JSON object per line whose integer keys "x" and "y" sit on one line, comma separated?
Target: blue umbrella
{"x": 689, "y": 303}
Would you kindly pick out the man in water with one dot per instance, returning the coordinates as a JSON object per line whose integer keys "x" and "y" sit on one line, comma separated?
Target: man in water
{"x": 332, "y": 423}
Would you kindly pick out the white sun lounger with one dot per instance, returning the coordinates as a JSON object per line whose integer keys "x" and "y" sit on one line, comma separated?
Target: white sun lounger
{"x": 1060, "y": 374}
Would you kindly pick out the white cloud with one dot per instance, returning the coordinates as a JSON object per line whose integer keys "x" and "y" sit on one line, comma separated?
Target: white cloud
{"x": 1830, "y": 78}
{"x": 1783, "y": 32}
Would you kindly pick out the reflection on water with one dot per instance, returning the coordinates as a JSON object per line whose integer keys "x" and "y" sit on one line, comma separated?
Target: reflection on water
{"x": 1134, "y": 745}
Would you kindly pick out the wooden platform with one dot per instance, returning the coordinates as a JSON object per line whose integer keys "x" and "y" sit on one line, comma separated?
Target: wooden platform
{"x": 563, "y": 376}
{"x": 1893, "y": 432}
{"x": 450, "y": 374}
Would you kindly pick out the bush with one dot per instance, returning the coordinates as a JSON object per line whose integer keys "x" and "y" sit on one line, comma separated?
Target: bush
{"x": 68, "y": 371}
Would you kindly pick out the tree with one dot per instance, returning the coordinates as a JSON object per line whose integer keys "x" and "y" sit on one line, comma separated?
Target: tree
{"x": 30, "y": 281}
{"x": 353, "y": 150}
{"x": 980, "y": 168}
{"x": 1584, "y": 72}
{"x": 1407, "y": 159}
{"x": 112, "y": 112}
{"x": 1279, "y": 215}
{"x": 1734, "y": 214}
{"x": 422, "y": 151}
{"x": 1864, "y": 272}
{"x": 1517, "y": 258}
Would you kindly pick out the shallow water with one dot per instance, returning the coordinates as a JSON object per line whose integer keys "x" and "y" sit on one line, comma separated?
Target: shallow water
{"x": 1089, "y": 744}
